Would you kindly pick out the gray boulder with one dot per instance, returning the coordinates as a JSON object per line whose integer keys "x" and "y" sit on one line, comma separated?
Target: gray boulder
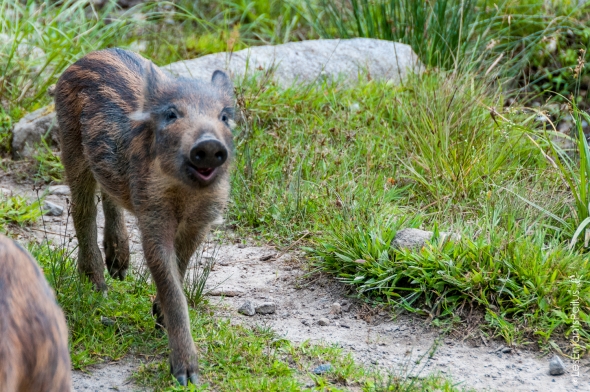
{"x": 310, "y": 61}
{"x": 416, "y": 238}
{"x": 31, "y": 129}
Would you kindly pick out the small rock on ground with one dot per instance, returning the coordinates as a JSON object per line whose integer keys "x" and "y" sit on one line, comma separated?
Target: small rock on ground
{"x": 323, "y": 322}
{"x": 266, "y": 308}
{"x": 247, "y": 309}
{"x": 556, "y": 366}
{"x": 416, "y": 238}
{"x": 336, "y": 308}
{"x": 53, "y": 209}
{"x": 226, "y": 292}
{"x": 323, "y": 368}
{"x": 59, "y": 190}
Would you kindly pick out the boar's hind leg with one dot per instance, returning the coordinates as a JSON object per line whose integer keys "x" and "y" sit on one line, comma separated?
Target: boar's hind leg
{"x": 116, "y": 239}
{"x": 158, "y": 246}
{"x": 90, "y": 262}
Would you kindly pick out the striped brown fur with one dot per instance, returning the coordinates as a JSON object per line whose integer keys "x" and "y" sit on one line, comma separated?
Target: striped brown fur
{"x": 34, "y": 353}
{"x": 159, "y": 147}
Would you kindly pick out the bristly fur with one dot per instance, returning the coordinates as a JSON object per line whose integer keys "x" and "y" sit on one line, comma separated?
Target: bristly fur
{"x": 128, "y": 126}
{"x": 33, "y": 333}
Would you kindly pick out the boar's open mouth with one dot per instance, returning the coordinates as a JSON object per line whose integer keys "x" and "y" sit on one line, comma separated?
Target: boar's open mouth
{"x": 203, "y": 175}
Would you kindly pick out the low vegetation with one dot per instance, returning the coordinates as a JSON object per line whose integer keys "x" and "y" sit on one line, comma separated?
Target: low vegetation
{"x": 340, "y": 170}
{"x": 232, "y": 357}
{"x": 18, "y": 211}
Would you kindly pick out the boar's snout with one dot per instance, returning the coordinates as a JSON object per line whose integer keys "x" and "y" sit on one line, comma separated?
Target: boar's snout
{"x": 205, "y": 157}
{"x": 208, "y": 153}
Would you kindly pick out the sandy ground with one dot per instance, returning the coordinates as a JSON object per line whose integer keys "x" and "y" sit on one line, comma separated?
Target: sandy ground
{"x": 262, "y": 274}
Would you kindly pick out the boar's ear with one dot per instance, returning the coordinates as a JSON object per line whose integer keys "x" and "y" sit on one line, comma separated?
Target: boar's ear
{"x": 154, "y": 81}
{"x": 222, "y": 82}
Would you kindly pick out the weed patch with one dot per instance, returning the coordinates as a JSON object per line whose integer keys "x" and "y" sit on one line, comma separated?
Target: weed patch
{"x": 18, "y": 210}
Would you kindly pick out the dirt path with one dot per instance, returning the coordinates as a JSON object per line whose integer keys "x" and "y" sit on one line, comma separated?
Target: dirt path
{"x": 257, "y": 274}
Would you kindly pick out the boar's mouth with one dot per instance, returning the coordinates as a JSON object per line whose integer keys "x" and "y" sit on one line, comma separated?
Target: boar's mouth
{"x": 203, "y": 175}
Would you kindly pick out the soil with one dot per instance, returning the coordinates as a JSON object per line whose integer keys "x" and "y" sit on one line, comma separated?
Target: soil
{"x": 262, "y": 274}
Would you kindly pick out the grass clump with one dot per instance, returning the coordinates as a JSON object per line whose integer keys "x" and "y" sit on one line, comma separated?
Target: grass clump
{"x": 100, "y": 327}
{"x": 49, "y": 166}
{"x": 41, "y": 38}
{"x": 521, "y": 283}
{"x": 440, "y": 31}
{"x": 17, "y": 210}
{"x": 5, "y": 133}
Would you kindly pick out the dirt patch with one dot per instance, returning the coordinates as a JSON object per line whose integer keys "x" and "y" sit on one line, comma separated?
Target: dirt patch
{"x": 257, "y": 274}
{"x": 113, "y": 376}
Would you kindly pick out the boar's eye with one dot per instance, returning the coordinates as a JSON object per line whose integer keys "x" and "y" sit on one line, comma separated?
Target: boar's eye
{"x": 171, "y": 115}
{"x": 226, "y": 115}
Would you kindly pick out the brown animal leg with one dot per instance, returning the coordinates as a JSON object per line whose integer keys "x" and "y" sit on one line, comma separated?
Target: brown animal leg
{"x": 116, "y": 239}
{"x": 158, "y": 245}
{"x": 185, "y": 245}
{"x": 90, "y": 261}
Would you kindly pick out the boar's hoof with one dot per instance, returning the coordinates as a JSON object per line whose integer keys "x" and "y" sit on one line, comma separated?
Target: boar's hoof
{"x": 182, "y": 379}
{"x": 117, "y": 272}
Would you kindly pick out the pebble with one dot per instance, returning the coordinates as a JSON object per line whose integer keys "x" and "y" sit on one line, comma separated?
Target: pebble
{"x": 344, "y": 325}
{"x": 336, "y": 308}
{"x": 107, "y": 321}
{"x": 53, "y": 209}
{"x": 247, "y": 309}
{"x": 266, "y": 308}
{"x": 226, "y": 292}
{"x": 323, "y": 368}
{"x": 556, "y": 366}
{"x": 323, "y": 322}
{"x": 346, "y": 306}
{"x": 59, "y": 190}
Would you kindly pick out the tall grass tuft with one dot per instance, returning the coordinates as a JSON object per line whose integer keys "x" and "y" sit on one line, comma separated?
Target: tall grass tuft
{"x": 575, "y": 172}
{"x": 38, "y": 39}
{"x": 440, "y": 31}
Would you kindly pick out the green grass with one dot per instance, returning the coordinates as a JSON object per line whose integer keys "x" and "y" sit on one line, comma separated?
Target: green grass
{"x": 40, "y": 39}
{"x": 48, "y": 164}
{"x": 341, "y": 169}
{"x": 232, "y": 357}
{"x": 440, "y": 32}
{"x": 17, "y": 210}
{"x": 349, "y": 167}
{"x": 533, "y": 44}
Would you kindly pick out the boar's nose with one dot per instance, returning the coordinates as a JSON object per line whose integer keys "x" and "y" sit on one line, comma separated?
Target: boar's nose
{"x": 208, "y": 153}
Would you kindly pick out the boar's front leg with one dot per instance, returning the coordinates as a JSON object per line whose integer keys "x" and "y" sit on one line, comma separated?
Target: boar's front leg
{"x": 158, "y": 234}
{"x": 187, "y": 240}
{"x": 116, "y": 239}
